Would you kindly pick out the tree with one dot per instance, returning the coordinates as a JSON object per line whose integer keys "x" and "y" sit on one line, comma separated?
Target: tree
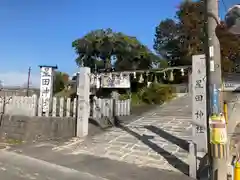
{"x": 185, "y": 36}
{"x": 60, "y": 81}
{"x": 98, "y": 48}
{"x": 232, "y": 19}
{"x": 163, "y": 64}
{"x": 181, "y": 38}
{"x": 167, "y": 42}
{"x": 230, "y": 47}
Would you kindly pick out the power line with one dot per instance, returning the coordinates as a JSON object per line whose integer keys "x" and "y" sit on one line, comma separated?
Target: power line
{"x": 224, "y": 5}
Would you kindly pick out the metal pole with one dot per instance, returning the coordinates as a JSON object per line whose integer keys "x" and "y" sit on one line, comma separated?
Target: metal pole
{"x": 214, "y": 79}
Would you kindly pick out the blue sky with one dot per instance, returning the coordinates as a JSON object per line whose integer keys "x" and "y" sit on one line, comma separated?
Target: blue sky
{"x": 36, "y": 32}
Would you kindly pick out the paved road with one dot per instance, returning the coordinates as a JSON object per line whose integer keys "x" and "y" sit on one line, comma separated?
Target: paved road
{"x": 19, "y": 167}
{"x": 14, "y": 166}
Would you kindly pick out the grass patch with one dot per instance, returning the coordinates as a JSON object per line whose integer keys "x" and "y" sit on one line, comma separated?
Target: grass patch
{"x": 13, "y": 141}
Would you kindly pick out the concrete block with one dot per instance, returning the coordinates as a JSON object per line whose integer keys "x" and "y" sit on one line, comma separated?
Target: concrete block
{"x": 27, "y": 128}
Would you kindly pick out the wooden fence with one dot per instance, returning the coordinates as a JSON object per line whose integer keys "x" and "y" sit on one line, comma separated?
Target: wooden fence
{"x": 59, "y": 107}
{"x": 18, "y": 105}
{"x": 62, "y": 107}
{"x": 107, "y": 108}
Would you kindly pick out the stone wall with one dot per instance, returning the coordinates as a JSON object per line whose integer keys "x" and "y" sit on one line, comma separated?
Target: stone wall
{"x": 25, "y": 128}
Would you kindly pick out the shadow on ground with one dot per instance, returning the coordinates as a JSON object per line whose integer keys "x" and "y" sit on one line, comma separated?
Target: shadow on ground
{"x": 173, "y": 139}
{"x": 146, "y": 139}
{"x": 97, "y": 127}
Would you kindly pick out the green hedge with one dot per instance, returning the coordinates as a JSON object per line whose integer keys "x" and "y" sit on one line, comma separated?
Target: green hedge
{"x": 157, "y": 93}
{"x": 154, "y": 94}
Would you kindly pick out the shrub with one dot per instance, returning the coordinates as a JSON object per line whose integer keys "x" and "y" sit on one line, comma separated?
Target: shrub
{"x": 124, "y": 96}
{"x": 157, "y": 93}
{"x": 136, "y": 99}
{"x": 154, "y": 94}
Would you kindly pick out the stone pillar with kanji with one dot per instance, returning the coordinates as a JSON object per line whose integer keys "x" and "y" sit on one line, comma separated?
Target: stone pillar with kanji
{"x": 83, "y": 106}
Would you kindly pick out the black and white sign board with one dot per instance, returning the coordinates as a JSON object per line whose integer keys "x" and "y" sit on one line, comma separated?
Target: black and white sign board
{"x": 199, "y": 108}
{"x": 46, "y": 87}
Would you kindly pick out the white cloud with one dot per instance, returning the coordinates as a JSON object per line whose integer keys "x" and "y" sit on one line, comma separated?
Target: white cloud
{"x": 19, "y": 79}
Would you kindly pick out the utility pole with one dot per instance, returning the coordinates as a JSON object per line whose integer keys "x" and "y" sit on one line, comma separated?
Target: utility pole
{"x": 28, "y": 81}
{"x": 217, "y": 152}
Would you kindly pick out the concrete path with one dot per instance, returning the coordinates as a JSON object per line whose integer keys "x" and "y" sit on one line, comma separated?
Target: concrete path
{"x": 158, "y": 139}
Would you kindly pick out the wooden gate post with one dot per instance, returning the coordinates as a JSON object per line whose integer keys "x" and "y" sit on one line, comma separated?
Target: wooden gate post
{"x": 83, "y": 102}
